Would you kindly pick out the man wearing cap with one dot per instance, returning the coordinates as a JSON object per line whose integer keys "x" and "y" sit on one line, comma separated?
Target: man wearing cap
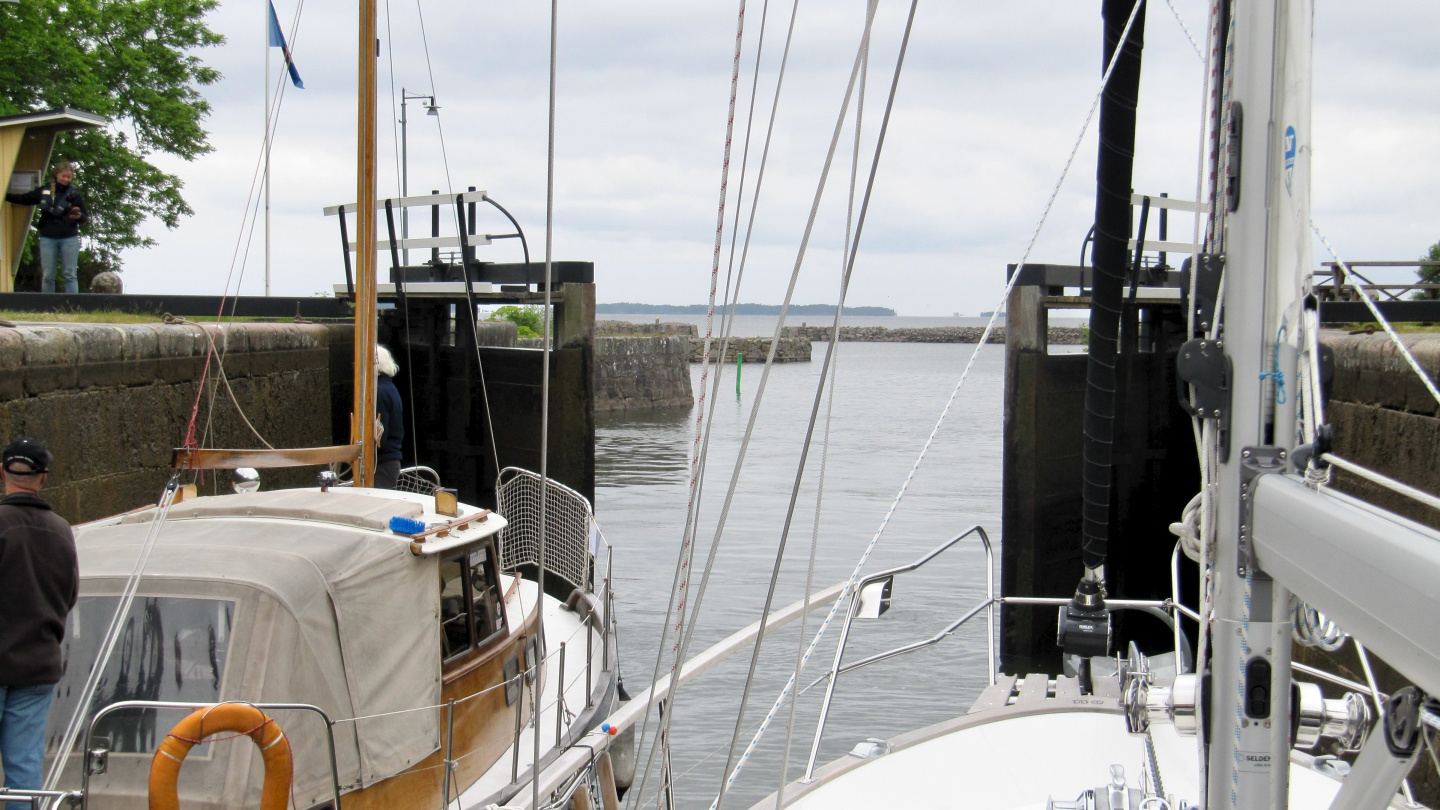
{"x": 39, "y": 578}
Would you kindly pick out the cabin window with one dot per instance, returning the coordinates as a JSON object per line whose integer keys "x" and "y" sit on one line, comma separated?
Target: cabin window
{"x": 170, "y": 648}
{"x": 454, "y": 606}
{"x": 486, "y": 608}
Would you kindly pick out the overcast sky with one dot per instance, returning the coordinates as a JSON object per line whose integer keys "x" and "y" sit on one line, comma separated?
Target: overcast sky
{"x": 992, "y": 96}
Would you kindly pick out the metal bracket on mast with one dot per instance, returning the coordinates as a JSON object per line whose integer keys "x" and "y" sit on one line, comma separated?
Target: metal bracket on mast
{"x": 1205, "y": 366}
{"x": 1254, "y": 462}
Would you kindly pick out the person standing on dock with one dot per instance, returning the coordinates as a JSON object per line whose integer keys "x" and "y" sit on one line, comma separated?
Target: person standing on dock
{"x": 40, "y": 577}
{"x": 392, "y": 423}
{"x": 62, "y": 212}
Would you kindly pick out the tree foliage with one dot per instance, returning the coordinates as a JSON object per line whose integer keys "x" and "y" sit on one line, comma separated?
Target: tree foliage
{"x": 132, "y": 61}
{"x": 526, "y": 319}
{"x": 1431, "y": 274}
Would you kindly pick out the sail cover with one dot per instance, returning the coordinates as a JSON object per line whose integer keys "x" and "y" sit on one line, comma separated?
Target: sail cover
{"x": 269, "y": 597}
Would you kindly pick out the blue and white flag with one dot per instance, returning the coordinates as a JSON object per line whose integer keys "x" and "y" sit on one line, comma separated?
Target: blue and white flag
{"x": 277, "y": 40}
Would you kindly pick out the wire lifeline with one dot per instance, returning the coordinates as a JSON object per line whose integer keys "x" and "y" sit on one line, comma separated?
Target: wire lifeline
{"x": 989, "y": 328}
{"x": 112, "y": 634}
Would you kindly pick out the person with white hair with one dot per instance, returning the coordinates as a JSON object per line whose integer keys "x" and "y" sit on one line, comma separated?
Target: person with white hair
{"x": 392, "y": 425}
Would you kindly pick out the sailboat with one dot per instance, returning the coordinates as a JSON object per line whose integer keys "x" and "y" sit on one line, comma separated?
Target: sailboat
{"x": 381, "y": 648}
{"x": 1284, "y": 558}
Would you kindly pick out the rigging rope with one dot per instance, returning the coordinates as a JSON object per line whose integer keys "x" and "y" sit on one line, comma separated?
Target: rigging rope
{"x": 680, "y": 585}
{"x": 989, "y": 327}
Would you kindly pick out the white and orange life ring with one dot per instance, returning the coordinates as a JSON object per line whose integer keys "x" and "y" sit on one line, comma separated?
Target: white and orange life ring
{"x": 241, "y": 718}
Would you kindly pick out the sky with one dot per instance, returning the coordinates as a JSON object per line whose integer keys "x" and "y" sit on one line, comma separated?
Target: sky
{"x": 989, "y": 104}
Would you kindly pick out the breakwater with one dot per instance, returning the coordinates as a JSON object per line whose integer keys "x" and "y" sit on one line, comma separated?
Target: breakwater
{"x": 642, "y": 372}
{"x": 1058, "y": 335}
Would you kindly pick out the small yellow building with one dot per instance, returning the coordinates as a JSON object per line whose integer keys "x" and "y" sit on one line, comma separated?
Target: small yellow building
{"x": 26, "y": 141}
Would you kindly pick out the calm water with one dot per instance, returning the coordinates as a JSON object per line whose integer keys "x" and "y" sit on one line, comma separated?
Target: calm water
{"x": 887, "y": 399}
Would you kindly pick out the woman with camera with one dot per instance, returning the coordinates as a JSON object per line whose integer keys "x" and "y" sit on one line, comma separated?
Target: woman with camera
{"x": 61, "y": 213}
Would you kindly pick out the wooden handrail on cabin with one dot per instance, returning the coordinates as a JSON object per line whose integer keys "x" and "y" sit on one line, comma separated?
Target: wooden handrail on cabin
{"x": 185, "y": 458}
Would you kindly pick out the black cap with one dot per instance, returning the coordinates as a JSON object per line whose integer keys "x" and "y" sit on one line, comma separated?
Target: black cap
{"x": 29, "y": 451}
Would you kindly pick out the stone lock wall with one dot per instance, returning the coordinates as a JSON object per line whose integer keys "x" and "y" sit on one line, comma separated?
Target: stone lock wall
{"x": 112, "y": 401}
{"x": 640, "y": 372}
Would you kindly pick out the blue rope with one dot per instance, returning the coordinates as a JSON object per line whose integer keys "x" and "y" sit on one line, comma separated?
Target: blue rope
{"x": 1277, "y": 374}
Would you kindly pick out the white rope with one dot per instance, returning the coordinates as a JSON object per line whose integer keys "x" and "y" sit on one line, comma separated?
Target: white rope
{"x": 112, "y": 635}
{"x": 1186, "y": 29}
{"x": 1380, "y": 318}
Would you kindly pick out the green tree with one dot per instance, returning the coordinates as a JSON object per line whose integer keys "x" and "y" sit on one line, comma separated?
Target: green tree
{"x": 1431, "y": 274}
{"x": 132, "y": 61}
{"x": 526, "y": 319}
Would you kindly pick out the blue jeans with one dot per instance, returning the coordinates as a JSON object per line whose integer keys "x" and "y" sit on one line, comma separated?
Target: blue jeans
{"x": 67, "y": 250}
{"x": 23, "y": 710}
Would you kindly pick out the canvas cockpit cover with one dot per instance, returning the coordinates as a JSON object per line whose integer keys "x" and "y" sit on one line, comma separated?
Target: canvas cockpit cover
{"x": 328, "y": 609}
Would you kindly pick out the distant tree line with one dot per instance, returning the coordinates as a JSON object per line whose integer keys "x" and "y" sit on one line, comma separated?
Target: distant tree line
{"x": 740, "y": 309}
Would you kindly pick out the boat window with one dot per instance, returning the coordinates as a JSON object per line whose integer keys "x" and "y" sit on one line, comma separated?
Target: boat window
{"x": 454, "y": 606}
{"x": 170, "y": 648}
{"x": 485, "y": 590}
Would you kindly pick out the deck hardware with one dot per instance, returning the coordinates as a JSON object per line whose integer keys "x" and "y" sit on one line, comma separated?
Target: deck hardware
{"x": 327, "y": 479}
{"x": 1345, "y": 719}
{"x": 97, "y": 759}
{"x": 246, "y": 479}
{"x": 1402, "y": 721}
{"x": 1084, "y": 622}
{"x": 1207, "y": 287}
{"x": 872, "y": 748}
{"x": 1255, "y": 462}
{"x": 875, "y": 599}
{"x": 1205, "y": 366}
{"x": 447, "y": 502}
{"x": 1234, "y": 131}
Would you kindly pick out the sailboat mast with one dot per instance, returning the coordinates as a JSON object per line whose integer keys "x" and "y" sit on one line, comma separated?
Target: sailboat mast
{"x": 362, "y": 429}
{"x": 1264, "y": 200}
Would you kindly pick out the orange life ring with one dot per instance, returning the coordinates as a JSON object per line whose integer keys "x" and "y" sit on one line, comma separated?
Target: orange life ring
{"x": 237, "y": 717}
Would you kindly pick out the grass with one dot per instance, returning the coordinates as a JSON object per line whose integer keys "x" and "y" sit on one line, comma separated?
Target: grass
{"x": 104, "y": 316}
{"x": 117, "y": 316}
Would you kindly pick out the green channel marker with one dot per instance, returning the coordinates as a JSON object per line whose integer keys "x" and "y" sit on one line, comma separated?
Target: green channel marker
{"x": 739, "y": 366}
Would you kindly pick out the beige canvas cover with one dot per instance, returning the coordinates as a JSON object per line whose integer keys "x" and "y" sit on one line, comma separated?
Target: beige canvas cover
{"x": 332, "y": 610}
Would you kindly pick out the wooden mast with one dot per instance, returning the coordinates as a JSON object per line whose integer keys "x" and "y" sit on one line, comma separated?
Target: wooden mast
{"x": 362, "y": 422}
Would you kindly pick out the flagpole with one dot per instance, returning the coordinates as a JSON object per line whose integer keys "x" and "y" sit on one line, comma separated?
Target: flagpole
{"x": 266, "y": 9}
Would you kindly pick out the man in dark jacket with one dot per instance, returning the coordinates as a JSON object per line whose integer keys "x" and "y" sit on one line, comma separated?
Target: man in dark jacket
{"x": 62, "y": 211}
{"x": 392, "y": 422}
{"x": 39, "y": 582}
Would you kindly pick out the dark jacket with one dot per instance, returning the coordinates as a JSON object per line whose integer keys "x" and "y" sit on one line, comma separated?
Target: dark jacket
{"x": 55, "y": 221}
{"x": 39, "y": 582}
{"x": 387, "y": 402}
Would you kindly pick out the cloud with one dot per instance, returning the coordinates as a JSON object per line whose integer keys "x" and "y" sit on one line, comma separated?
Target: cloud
{"x": 990, "y": 103}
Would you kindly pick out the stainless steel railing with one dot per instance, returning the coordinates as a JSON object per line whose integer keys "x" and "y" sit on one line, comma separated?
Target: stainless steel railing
{"x": 1167, "y": 608}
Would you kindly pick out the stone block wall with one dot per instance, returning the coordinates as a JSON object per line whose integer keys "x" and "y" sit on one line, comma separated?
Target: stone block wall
{"x": 656, "y": 328}
{"x": 1385, "y": 419}
{"x": 792, "y": 349}
{"x": 112, "y": 401}
{"x": 641, "y": 372}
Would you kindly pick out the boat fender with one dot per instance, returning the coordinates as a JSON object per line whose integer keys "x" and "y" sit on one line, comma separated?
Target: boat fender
{"x": 240, "y": 718}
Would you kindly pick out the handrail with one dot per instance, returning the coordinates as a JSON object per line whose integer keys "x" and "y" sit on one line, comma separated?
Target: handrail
{"x": 34, "y": 797}
{"x": 166, "y": 704}
{"x": 835, "y": 667}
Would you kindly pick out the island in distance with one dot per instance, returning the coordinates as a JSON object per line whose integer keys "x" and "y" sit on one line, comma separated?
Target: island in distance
{"x": 740, "y": 309}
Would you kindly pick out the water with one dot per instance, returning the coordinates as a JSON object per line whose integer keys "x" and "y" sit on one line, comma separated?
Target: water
{"x": 764, "y": 325}
{"x": 887, "y": 399}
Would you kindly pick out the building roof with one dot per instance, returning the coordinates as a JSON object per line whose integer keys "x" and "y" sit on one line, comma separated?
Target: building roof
{"x": 68, "y": 117}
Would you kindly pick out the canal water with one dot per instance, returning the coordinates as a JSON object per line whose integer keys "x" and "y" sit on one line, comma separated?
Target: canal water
{"x": 888, "y": 398}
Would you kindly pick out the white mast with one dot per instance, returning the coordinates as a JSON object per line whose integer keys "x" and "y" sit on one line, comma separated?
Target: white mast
{"x": 1266, "y": 248}
{"x": 266, "y": 11}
